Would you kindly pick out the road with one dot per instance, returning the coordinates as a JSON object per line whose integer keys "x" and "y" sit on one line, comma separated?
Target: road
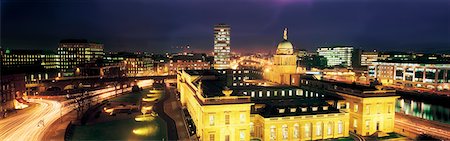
{"x": 416, "y": 126}
{"x": 24, "y": 126}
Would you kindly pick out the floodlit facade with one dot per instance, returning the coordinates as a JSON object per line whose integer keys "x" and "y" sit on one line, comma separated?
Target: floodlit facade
{"x": 338, "y": 55}
{"x": 222, "y": 46}
{"x": 429, "y": 74}
{"x": 218, "y": 115}
{"x": 257, "y": 109}
{"x": 75, "y": 52}
{"x": 284, "y": 63}
{"x": 372, "y": 110}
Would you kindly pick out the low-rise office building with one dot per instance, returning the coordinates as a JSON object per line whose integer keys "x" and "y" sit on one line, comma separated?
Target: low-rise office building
{"x": 420, "y": 74}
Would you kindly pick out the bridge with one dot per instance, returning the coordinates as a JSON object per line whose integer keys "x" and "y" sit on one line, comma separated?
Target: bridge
{"x": 62, "y": 85}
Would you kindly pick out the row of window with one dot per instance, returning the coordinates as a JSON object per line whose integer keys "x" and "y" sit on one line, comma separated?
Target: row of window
{"x": 307, "y": 129}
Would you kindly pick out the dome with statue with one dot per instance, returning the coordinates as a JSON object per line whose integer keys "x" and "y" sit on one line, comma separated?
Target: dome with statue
{"x": 285, "y": 47}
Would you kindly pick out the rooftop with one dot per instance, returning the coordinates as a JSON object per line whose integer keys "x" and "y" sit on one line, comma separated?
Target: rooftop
{"x": 294, "y": 107}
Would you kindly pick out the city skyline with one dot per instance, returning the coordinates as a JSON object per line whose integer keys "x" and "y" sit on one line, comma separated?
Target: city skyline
{"x": 369, "y": 25}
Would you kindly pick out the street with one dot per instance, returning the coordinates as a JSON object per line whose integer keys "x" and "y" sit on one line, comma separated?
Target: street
{"x": 414, "y": 127}
{"x": 32, "y": 124}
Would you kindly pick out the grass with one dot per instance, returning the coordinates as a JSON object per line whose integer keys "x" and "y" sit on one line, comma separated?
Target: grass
{"x": 391, "y": 136}
{"x": 122, "y": 129}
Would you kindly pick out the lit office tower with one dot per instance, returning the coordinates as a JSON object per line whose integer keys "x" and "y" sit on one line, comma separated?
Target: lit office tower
{"x": 76, "y": 52}
{"x": 337, "y": 56}
{"x": 222, "y": 46}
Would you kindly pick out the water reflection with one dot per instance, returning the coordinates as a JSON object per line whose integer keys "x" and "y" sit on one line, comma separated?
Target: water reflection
{"x": 423, "y": 110}
{"x": 145, "y": 131}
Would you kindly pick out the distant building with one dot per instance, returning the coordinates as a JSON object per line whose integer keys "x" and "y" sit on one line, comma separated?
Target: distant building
{"x": 222, "y": 46}
{"x": 396, "y": 56}
{"x": 189, "y": 61}
{"x": 20, "y": 58}
{"x": 337, "y": 56}
{"x": 367, "y": 58}
{"x": 131, "y": 64}
{"x": 312, "y": 61}
{"x": 34, "y": 65}
{"x": 75, "y": 52}
{"x": 420, "y": 74}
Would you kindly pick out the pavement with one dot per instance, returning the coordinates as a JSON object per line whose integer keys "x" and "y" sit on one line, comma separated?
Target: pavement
{"x": 172, "y": 107}
{"x": 57, "y": 130}
{"x": 412, "y": 126}
{"x": 172, "y": 132}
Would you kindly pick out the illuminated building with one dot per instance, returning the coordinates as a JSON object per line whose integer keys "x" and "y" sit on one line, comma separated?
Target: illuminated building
{"x": 420, "y": 74}
{"x": 35, "y": 65}
{"x": 372, "y": 110}
{"x": 74, "y": 52}
{"x": 284, "y": 63}
{"x": 237, "y": 105}
{"x": 189, "y": 61}
{"x": 222, "y": 46}
{"x": 218, "y": 113}
{"x": 337, "y": 56}
{"x": 12, "y": 86}
{"x": 368, "y": 57}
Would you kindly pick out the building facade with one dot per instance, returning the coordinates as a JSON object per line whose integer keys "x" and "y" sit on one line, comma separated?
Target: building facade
{"x": 222, "y": 46}
{"x": 337, "y": 56}
{"x": 419, "y": 74}
{"x": 75, "y": 52}
{"x": 367, "y": 58}
{"x": 372, "y": 110}
{"x": 189, "y": 61}
{"x": 257, "y": 109}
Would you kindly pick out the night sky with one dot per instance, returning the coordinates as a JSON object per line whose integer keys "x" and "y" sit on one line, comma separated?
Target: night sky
{"x": 160, "y": 25}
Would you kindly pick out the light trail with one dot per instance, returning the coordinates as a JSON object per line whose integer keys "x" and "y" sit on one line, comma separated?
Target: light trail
{"x": 31, "y": 125}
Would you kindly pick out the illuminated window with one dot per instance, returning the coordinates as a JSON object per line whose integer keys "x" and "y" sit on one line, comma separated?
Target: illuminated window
{"x": 284, "y": 132}
{"x": 355, "y": 107}
{"x": 318, "y": 129}
{"x": 282, "y": 93}
{"x": 211, "y": 120}
{"x": 340, "y": 125}
{"x": 253, "y": 94}
{"x": 273, "y": 133}
{"x": 355, "y": 123}
{"x": 241, "y": 135}
{"x": 268, "y": 93}
{"x": 242, "y": 117}
{"x": 329, "y": 128}
{"x": 295, "y": 133}
{"x": 252, "y": 128}
{"x": 290, "y": 92}
{"x": 260, "y": 94}
{"x": 367, "y": 109}
{"x": 308, "y": 130}
{"x": 367, "y": 124}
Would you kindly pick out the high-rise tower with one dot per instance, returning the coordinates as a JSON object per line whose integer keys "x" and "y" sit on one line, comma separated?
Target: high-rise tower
{"x": 222, "y": 46}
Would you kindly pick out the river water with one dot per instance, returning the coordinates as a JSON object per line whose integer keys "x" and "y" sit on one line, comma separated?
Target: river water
{"x": 423, "y": 110}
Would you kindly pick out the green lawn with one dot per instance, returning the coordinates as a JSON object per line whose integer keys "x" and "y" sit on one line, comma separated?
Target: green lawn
{"x": 123, "y": 129}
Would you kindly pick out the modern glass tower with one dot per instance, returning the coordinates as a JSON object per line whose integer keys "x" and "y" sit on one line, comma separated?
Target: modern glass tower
{"x": 222, "y": 46}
